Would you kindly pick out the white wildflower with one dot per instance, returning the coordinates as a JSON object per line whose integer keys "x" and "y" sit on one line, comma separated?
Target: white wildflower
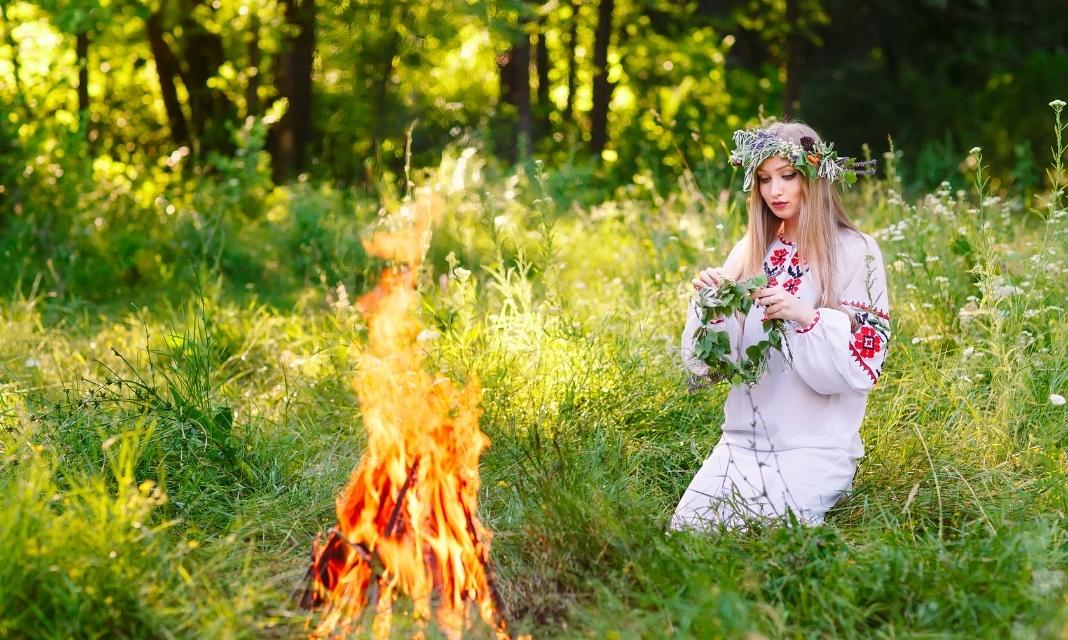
{"x": 975, "y": 151}
{"x": 1056, "y": 399}
{"x": 1057, "y": 104}
{"x": 1046, "y": 581}
{"x": 1006, "y": 290}
{"x": 31, "y": 363}
{"x": 461, "y": 274}
{"x": 427, "y": 335}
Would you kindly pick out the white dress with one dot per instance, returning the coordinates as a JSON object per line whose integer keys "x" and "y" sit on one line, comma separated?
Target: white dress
{"x": 791, "y": 441}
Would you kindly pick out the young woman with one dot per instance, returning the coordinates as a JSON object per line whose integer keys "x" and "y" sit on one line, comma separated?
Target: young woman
{"x": 791, "y": 442}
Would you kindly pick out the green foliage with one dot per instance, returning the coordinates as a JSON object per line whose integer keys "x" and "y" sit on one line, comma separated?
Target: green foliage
{"x": 713, "y": 347}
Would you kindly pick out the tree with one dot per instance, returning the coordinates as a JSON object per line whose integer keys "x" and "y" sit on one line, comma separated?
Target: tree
{"x": 602, "y": 88}
{"x": 255, "y": 62}
{"x": 542, "y": 65}
{"x": 78, "y": 18}
{"x": 291, "y": 136}
{"x": 211, "y": 111}
{"x": 792, "y": 62}
{"x": 514, "y": 70}
{"x": 572, "y": 63}
{"x": 167, "y": 70}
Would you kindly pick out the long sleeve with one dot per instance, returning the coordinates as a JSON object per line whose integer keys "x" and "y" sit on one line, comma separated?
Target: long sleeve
{"x": 844, "y": 348}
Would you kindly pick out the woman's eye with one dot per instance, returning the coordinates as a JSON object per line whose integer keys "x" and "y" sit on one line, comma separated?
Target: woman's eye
{"x": 789, "y": 176}
{"x": 764, "y": 180}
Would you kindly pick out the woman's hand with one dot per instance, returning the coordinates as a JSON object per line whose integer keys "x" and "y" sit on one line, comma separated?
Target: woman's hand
{"x": 711, "y": 277}
{"x": 780, "y": 304}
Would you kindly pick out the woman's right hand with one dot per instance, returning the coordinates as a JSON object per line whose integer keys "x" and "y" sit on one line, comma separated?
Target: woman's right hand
{"x": 711, "y": 277}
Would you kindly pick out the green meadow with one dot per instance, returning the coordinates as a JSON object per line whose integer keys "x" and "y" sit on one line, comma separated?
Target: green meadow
{"x": 177, "y": 414}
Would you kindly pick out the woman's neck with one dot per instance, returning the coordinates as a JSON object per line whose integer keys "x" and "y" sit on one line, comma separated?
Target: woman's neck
{"x": 788, "y": 230}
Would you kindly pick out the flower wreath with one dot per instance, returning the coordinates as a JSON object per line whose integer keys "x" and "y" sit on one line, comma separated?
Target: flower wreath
{"x": 712, "y": 346}
{"x": 815, "y": 158}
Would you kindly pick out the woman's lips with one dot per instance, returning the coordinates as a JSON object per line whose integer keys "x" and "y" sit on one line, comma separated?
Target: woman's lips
{"x": 779, "y": 205}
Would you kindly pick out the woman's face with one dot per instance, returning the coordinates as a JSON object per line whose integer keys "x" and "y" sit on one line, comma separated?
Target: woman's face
{"x": 780, "y": 186}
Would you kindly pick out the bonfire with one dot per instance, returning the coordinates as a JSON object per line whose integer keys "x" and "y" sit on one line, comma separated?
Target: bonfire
{"x": 406, "y": 522}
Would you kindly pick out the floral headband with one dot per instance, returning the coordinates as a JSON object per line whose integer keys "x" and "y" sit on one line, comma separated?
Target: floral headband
{"x": 816, "y": 159}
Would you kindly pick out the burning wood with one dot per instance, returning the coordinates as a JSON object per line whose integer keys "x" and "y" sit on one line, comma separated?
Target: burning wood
{"x": 407, "y": 523}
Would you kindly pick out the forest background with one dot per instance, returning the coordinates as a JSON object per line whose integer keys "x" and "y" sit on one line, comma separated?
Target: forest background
{"x": 184, "y": 186}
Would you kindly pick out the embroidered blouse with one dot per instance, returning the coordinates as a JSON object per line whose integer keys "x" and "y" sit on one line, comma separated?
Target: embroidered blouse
{"x": 820, "y": 400}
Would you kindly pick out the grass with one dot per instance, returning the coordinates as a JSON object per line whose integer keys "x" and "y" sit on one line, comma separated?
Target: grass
{"x": 172, "y": 439}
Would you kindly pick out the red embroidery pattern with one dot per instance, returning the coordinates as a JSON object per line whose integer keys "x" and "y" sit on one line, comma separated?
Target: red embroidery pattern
{"x": 813, "y": 324}
{"x": 778, "y": 258}
{"x": 773, "y": 282}
{"x": 863, "y": 365}
{"x": 867, "y": 342}
{"x": 865, "y": 307}
{"x": 792, "y": 285}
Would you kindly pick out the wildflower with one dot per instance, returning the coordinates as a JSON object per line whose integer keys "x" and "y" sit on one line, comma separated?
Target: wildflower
{"x": 1056, "y": 399}
{"x": 975, "y": 151}
{"x": 1057, "y": 105}
{"x": 461, "y": 274}
{"x": 426, "y": 335}
{"x": 31, "y": 363}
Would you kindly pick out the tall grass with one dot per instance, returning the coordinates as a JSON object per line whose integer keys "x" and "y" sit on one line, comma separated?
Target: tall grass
{"x": 170, "y": 446}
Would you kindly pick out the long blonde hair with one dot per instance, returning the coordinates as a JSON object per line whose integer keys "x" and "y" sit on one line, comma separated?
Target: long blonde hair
{"x": 820, "y": 218}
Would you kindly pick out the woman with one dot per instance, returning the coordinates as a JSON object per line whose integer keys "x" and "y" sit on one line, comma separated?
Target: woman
{"x": 791, "y": 442}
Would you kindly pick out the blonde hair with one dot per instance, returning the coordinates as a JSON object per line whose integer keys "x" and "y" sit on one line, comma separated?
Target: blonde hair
{"x": 820, "y": 218}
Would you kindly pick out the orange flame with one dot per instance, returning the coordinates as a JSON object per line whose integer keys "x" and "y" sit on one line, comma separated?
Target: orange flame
{"x": 407, "y": 522}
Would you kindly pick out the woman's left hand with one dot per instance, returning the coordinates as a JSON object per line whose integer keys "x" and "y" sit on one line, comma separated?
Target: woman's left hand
{"x": 780, "y": 304}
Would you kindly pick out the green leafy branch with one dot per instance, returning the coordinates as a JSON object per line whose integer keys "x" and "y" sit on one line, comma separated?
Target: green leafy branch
{"x": 712, "y": 346}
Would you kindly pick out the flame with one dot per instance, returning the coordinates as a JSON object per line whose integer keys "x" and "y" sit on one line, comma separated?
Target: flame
{"x": 406, "y": 522}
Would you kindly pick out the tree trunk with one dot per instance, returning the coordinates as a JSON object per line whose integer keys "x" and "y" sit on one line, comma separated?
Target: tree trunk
{"x": 541, "y": 63}
{"x": 572, "y": 65}
{"x": 602, "y": 89}
{"x": 379, "y": 126}
{"x": 293, "y": 79}
{"x": 514, "y": 69}
{"x": 167, "y": 69}
{"x": 255, "y": 59}
{"x": 210, "y": 109}
{"x": 789, "y": 98}
{"x": 81, "y": 51}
